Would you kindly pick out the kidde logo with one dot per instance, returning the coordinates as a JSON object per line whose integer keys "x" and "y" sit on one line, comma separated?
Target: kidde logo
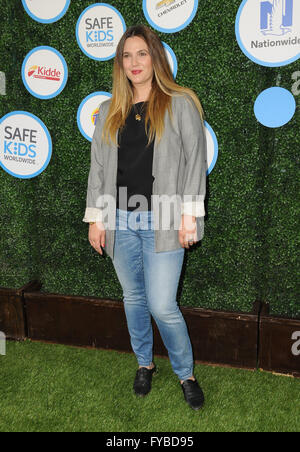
{"x": 42, "y": 72}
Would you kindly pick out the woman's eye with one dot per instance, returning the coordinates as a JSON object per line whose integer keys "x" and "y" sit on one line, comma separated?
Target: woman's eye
{"x": 141, "y": 54}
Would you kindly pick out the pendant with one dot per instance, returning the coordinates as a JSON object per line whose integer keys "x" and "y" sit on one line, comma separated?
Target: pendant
{"x": 138, "y": 117}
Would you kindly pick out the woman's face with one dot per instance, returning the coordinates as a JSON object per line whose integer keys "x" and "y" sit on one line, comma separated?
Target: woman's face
{"x": 137, "y": 62}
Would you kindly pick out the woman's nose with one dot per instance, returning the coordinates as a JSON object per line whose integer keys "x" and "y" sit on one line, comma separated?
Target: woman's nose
{"x": 135, "y": 60}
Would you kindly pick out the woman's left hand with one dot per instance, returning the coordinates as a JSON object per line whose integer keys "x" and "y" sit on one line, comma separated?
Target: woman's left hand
{"x": 187, "y": 233}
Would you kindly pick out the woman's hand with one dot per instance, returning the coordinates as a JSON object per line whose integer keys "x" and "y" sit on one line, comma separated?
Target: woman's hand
{"x": 97, "y": 236}
{"x": 187, "y": 231}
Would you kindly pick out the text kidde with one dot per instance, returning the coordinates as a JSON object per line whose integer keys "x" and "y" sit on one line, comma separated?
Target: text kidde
{"x": 48, "y": 72}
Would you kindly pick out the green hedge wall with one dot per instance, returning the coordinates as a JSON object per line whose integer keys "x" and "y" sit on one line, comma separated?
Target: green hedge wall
{"x": 249, "y": 248}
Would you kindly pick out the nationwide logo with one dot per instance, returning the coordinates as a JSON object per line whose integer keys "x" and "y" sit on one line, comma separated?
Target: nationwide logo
{"x": 41, "y": 72}
{"x": 268, "y": 31}
{"x": 95, "y": 116}
{"x": 276, "y": 18}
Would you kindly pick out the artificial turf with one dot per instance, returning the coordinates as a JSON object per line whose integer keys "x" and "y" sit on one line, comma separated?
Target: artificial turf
{"x": 56, "y": 388}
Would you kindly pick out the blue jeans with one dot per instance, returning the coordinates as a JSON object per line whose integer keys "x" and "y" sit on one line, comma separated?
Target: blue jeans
{"x": 150, "y": 282}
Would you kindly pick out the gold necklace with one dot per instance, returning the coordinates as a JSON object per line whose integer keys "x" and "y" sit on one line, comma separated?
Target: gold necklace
{"x": 138, "y": 116}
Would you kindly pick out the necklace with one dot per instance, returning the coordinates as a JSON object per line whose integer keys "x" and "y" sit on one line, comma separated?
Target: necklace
{"x": 138, "y": 116}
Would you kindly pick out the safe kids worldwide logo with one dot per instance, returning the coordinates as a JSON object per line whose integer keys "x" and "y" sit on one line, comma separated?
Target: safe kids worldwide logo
{"x": 99, "y": 30}
{"x": 170, "y": 16}
{"x": 25, "y": 145}
{"x": 268, "y": 31}
{"x": 44, "y": 72}
{"x": 46, "y": 11}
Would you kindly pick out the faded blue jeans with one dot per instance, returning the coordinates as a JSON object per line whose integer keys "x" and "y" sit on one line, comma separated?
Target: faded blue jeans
{"x": 150, "y": 282}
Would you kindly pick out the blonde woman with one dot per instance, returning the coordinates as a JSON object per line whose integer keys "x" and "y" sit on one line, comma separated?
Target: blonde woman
{"x": 145, "y": 198}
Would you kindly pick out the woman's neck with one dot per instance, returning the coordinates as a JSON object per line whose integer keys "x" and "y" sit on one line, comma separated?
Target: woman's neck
{"x": 141, "y": 96}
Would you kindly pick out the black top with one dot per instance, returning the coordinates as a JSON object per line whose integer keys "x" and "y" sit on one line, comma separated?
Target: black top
{"x": 135, "y": 160}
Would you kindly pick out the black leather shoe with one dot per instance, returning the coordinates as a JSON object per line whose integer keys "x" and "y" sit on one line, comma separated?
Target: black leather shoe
{"x": 142, "y": 382}
{"x": 193, "y": 394}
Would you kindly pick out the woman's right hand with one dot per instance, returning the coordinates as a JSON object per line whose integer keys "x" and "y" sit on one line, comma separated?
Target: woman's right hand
{"x": 97, "y": 236}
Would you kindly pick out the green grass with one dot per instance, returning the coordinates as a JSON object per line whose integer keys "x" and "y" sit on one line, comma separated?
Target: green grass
{"x": 55, "y": 388}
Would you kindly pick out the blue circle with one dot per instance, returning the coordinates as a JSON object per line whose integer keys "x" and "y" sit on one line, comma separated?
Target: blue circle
{"x": 65, "y": 69}
{"x": 14, "y": 113}
{"x": 275, "y": 107}
{"x": 77, "y": 27}
{"x": 216, "y": 148}
{"x": 247, "y": 53}
{"x": 47, "y": 21}
{"x": 170, "y": 30}
{"x": 174, "y": 59}
{"x": 97, "y": 93}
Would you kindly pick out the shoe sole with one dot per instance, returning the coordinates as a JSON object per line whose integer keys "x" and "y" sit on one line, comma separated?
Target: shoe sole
{"x": 195, "y": 408}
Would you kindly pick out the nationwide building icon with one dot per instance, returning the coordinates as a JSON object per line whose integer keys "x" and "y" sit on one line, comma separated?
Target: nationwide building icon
{"x": 276, "y": 17}
{"x": 163, "y": 3}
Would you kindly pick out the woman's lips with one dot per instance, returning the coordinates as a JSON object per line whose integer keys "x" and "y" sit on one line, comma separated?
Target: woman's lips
{"x": 136, "y": 72}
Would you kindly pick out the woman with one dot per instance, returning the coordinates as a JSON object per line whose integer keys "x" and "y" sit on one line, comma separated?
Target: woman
{"x": 149, "y": 148}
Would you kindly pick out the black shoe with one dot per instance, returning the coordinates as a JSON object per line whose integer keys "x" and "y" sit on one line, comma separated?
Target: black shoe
{"x": 142, "y": 382}
{"x": 193, "y": 394}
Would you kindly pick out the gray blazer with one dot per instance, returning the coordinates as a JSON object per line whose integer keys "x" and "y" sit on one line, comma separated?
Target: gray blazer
{"x": 179, "y": 171}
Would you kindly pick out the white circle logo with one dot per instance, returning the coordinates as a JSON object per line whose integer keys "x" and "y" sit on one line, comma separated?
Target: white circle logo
{"x": 25, "y": 145}
{"x": 88, "y": 113}
{"x": 44, "y": 72}
{"x": 268, "y": 32}
{"x": 170, "y": 16}
{"x": 46, "y": 11}
{"x": 212, "y": 147}
{"x": 99, "y": 30}
{"x": 171, "y": 57}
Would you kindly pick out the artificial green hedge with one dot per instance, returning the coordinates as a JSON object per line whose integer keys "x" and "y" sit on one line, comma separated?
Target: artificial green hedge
{"x": 249, "y": 248}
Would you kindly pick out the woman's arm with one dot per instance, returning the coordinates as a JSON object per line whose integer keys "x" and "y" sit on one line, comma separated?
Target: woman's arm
{"x": 194, "y": 182}
{"x": 195, "y": 152}
{"x": 93, "y": 212}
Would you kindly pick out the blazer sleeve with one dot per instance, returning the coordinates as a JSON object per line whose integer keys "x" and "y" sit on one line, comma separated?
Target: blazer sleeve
{"x": 95, "y": 189}
{"x": 195, "y": 151}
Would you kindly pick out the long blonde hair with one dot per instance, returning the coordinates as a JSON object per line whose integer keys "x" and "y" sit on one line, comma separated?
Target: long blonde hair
{"x": 163, "y": 88}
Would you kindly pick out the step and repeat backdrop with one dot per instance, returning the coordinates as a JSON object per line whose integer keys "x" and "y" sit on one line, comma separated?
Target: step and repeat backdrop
{"x": 268, "y": 32}
{"x": 63, "y": 51}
